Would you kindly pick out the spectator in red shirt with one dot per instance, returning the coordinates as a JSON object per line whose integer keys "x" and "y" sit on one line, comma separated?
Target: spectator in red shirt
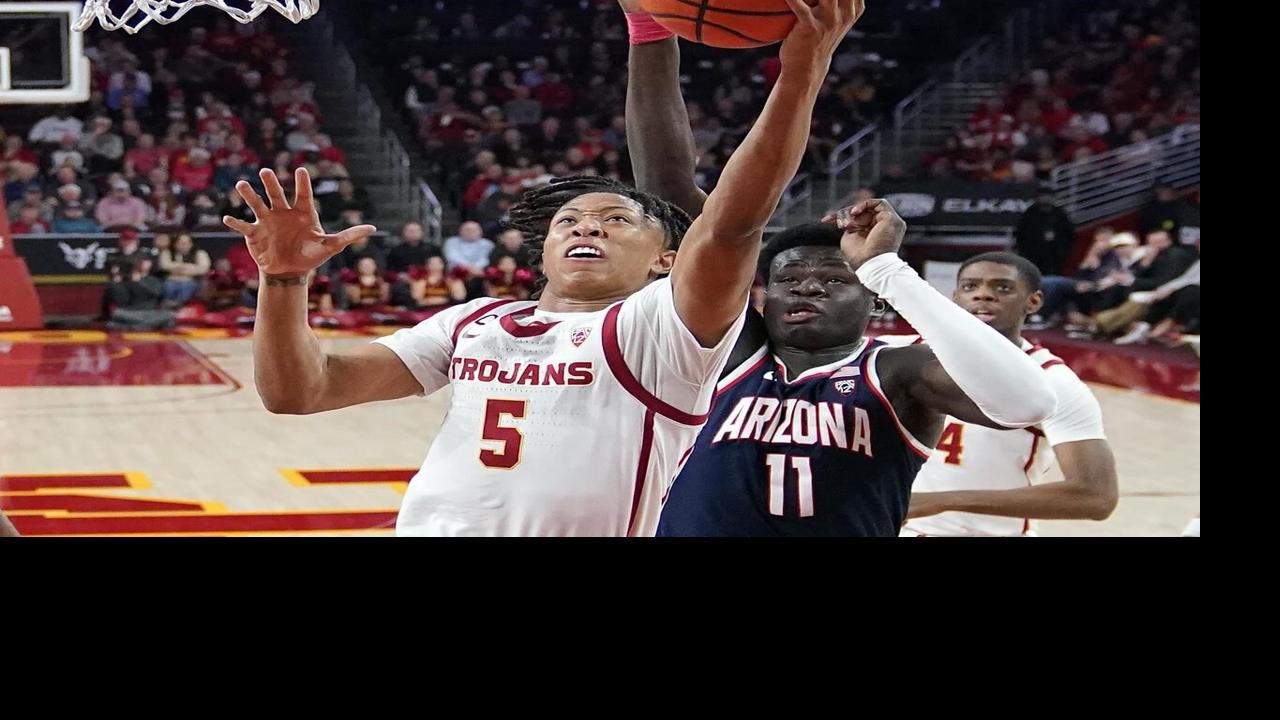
{"x": 235, "y": 146}
{"x": 221, "y": 112}
{"x": 447, "y": 126}
{"x": 989, "y": 116}
{"x": 29, "y": 222}
{"x": 144, "y": 157}
{"x": 592, "y": 144}
{"x": 329, "y": 151}
{"x": 186, "y": 143}
{"x": 195, "y": 172}
{"x": 16, "y": 152}
{"x": 1079, "y": 137}
{"x": 488, "y": 182}
{"x": 223, "y": 41}
{"x": 554, "y": 93}
{"x": 1057, "y": 117}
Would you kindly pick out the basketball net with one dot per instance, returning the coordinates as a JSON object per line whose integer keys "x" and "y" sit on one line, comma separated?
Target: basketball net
{"x": 141, "y": 12}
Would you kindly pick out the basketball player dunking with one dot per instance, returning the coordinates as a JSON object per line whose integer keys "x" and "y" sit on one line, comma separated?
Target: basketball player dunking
{"x": 568, "y": 414}
{"x": 817, "y": 430}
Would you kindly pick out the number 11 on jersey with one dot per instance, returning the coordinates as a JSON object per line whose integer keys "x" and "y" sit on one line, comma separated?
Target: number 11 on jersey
{"x": 777, "y": 465}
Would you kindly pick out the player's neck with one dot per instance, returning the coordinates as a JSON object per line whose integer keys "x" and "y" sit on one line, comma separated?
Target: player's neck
{"x": 551, "y": 302}
{"x": 799, "y": 361}
{"x": 1014, "y": 336}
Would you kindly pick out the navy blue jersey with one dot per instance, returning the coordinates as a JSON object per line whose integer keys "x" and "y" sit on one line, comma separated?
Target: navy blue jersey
{"x": 822, "y": 454}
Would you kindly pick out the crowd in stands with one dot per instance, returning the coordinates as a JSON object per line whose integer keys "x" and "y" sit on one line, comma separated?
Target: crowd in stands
{"x": 396, "y": 279}
{"x": 175, "y": 119}
{"x": 551, "y": 103}
{"x": 1130, "y": 287}
{"x": 1123, "y": 73}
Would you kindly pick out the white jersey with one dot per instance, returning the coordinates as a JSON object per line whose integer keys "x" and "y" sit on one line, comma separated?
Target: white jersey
{"x": 559, "y": 423}
{"x": 973, "y": 457}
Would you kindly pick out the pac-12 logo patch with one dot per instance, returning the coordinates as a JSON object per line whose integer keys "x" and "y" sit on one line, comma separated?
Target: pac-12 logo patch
{"x": 845, "y": 380}
{"x": 579, "y": 336}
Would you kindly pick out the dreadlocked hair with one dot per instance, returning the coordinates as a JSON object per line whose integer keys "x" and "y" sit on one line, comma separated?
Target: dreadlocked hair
{"x": 532, "y": 214}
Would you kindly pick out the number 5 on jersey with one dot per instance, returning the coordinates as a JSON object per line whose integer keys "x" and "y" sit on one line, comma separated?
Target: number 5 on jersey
{"x": 504, "y": 440}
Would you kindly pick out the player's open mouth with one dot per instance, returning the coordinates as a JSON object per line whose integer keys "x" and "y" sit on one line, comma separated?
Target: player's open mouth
{"x": 983, "y": 313}
{"x": 583, "y": 251}
{"x": 800, "y": 312}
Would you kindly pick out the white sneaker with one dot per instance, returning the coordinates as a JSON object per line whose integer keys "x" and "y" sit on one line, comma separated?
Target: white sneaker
{"x": 1137, "y": 334}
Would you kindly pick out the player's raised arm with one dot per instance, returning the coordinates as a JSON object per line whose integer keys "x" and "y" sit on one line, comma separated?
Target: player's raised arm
{"x": 967, "y": 370}
{"x": 293, "y": 375}
{"x": 717, "y": 259}
{"x": 659, "y": 138}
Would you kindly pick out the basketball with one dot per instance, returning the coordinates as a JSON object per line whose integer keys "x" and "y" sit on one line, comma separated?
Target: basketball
{"x": 725, "y": 23}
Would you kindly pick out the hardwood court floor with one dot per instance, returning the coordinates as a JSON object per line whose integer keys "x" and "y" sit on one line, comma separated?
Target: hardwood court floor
{"x": 156, "y": 434}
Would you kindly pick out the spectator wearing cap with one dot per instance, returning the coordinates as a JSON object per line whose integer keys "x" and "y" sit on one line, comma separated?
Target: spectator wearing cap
{"x": 1087, "y": 290}
{"x": 1163, "y": 262}
{"x": 128, "y": 249}
{"x": 119, "y": 209}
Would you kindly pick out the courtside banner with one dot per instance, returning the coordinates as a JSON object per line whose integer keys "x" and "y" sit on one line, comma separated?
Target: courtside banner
{"x": 959, "y": 204}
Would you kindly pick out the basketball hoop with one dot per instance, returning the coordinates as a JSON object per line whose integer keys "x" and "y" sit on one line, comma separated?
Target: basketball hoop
{"x": 141, "y": 12}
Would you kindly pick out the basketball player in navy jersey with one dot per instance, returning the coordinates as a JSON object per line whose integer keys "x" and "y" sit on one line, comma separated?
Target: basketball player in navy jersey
{"x": 817, "y": 430}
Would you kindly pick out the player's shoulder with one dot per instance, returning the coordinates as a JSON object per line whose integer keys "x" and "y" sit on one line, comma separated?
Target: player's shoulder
{"x": 1044, "y": 357}
{"x": 453, "y": 319}
{"x": 654, "y": 292}
{"x": 899, "y": 340}
{"x": 1072, "y": 393}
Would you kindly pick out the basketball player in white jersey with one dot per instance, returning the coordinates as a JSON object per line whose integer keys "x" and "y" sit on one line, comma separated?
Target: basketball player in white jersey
{"x": 569, "y": 414}
{"x": 981, "y": 481}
